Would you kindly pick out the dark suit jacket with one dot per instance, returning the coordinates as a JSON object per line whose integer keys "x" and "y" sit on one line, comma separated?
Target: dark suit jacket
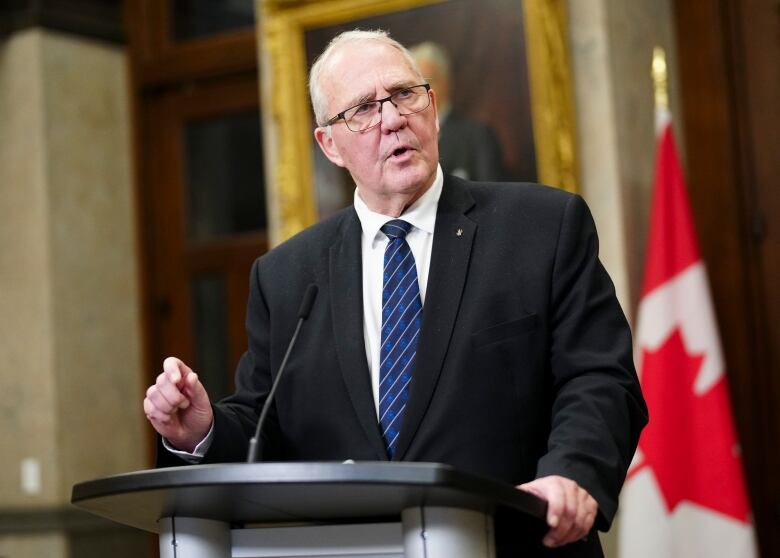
{"x": 524, "y": 364}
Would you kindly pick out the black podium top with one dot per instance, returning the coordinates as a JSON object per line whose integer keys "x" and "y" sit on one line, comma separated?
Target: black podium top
{"x": 294, "y": 492}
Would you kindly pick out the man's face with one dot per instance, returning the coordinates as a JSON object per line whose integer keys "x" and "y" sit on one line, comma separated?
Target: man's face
{"x": 394, "y": 163}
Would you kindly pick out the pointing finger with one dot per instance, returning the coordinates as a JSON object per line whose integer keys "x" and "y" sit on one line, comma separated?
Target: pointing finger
{"x": 173, "y": 368}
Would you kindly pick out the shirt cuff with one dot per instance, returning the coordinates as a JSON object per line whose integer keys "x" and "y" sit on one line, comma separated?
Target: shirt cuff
{"x": 197, "y": 454}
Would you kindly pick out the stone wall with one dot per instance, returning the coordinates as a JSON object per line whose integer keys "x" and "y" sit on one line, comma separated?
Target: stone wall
{"x": 70, "y": 353}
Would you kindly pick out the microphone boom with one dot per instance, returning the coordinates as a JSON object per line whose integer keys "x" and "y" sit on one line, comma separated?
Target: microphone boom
{"x": 306, "y": 305}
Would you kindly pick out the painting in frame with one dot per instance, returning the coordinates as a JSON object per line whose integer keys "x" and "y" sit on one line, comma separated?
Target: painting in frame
{"x": 509, "y": 74}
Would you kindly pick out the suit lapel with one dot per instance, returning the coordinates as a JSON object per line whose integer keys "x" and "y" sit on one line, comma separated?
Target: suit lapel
{"x": 452, "y": 242}
{"x": 346, "y": 295}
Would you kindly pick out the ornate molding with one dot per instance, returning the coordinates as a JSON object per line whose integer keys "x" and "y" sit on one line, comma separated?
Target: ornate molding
{"x": 293, "y": 199}
{"x": 551, "y": 92}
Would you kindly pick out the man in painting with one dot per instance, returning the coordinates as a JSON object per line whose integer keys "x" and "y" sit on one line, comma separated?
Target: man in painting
{"x": 457, "y": 322}
{"x": 467, "y": 148}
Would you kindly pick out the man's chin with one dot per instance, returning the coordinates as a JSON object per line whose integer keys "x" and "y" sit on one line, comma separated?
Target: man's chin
{"x": 409, "y": 185}
{"x": 411, "y": 176}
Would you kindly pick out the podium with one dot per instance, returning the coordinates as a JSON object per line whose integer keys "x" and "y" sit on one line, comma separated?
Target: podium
{"x": 359, "y": 510}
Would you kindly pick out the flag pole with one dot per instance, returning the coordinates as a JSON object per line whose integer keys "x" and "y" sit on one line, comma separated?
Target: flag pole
{"x": 661, "y": 87}
{"x": 660, "y": 78}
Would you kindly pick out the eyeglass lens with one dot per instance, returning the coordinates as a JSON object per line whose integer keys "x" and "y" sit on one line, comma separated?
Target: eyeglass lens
{"x": 407, "y": 101}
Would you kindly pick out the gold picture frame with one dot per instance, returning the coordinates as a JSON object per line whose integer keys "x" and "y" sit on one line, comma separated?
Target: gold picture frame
{"x": 287, "y": 118}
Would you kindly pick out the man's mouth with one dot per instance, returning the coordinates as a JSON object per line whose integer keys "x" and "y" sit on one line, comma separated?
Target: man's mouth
{"x": 400, "y": 151}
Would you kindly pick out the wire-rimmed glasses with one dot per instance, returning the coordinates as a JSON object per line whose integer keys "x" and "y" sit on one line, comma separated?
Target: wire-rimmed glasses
{"x": 365, "y": 116}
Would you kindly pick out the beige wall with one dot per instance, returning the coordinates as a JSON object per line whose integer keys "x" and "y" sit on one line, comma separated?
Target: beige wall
{"x": 70, "y": 360}
{"x": 28, "y": 427}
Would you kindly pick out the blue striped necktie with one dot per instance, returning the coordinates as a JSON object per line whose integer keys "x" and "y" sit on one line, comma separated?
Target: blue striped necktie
{"x": 401, "y": 318}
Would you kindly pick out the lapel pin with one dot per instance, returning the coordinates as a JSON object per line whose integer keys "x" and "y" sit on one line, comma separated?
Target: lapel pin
{"x": 459, "y": 232}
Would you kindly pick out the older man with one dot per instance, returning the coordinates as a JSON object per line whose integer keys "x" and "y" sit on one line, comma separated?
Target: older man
{"x": 464, "y": 323}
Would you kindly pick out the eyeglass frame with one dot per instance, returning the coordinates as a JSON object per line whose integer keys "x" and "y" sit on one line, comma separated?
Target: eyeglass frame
{"x": 340, "y": 116}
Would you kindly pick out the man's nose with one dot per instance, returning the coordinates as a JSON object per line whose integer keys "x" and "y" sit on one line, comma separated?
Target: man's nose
{"x": 391, "y": 118}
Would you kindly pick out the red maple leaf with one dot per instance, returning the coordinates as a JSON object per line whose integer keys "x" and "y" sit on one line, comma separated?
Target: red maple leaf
{"x": 690, "y": 443}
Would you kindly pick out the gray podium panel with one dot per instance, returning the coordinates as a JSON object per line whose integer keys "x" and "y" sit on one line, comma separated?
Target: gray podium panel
{"x": 425, "y": 509}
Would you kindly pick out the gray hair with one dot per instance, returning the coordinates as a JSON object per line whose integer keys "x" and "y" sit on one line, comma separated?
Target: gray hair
{"x": 318, "y": 101}
{"x": 435, "y": 53}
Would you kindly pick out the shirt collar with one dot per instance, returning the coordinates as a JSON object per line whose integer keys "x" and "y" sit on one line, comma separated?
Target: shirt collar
{"x": 421, "y": 214}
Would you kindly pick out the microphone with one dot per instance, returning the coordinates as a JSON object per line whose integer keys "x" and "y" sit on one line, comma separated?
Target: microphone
{"x": 303, "y": 314}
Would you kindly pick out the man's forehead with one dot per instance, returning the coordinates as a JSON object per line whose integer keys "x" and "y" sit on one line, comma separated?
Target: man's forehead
{"x": 356, "y": 68}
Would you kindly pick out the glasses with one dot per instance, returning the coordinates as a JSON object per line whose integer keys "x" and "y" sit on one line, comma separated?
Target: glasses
{"x": 365, "y": 116}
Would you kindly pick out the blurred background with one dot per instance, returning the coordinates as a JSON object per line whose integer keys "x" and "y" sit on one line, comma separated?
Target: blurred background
{"x": 135, "y": 194}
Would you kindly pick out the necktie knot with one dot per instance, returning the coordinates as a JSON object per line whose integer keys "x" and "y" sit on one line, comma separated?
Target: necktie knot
{"x": 397, "y": 228}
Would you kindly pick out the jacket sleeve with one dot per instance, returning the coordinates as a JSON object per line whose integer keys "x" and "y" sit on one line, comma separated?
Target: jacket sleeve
{"x": 598, "y": 410}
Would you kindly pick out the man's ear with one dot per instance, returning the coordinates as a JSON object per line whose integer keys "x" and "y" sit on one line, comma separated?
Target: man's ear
{"x": 432, "y": 93}
{"x": 328, "y": 146}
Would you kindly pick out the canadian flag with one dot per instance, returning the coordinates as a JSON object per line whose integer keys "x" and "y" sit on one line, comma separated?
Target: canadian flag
{"x": 685, "y": 493}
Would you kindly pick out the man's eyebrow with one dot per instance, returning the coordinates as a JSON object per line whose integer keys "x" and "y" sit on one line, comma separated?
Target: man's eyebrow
{"x": 399, "y": 85}
{"x": 363, "y": 99}
{"x": 367, "y": 97}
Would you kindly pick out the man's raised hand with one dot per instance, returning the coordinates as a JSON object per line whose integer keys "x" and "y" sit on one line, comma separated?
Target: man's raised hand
{"x": 178, "y": 406}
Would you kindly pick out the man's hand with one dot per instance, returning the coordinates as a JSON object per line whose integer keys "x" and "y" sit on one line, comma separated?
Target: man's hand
{"x": 570, "y": 509}
{"x": 178, "y": 406}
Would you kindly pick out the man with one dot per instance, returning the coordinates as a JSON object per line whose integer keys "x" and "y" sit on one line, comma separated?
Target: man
{"x": 501, "y": 350}
{"x": 467, "y": 148}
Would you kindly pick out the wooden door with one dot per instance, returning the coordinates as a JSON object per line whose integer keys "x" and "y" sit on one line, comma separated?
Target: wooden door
{"x": 205, "y": 223}
{"x": 730, "y": 76}
{"x": 199, "y": 179}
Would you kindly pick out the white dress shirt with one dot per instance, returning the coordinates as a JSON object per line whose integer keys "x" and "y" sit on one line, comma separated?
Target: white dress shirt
{"x": 422, "y": 216}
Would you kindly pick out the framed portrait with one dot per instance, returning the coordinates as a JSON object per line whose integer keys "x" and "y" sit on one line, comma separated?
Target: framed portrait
{"x": 505, "y": 85}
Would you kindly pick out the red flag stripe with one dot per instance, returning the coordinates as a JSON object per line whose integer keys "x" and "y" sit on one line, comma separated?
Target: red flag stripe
{"x": 672, "y": 245}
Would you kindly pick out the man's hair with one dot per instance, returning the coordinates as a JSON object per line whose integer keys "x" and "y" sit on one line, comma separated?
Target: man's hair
{"x": 435, "y": 53}
{"x": 318, "y": 100}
